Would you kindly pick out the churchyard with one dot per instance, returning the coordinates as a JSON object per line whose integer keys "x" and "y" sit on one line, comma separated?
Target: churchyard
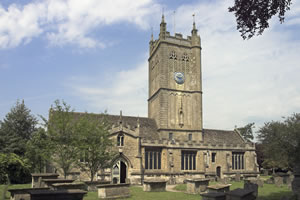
{"x": 265, "y": 192}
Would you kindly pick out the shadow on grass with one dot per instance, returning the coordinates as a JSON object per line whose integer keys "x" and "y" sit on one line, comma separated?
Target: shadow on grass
{"x": 276, "y": 195}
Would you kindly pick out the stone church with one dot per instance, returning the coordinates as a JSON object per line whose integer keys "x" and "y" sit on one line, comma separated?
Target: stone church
{"x": 171, "y": 142}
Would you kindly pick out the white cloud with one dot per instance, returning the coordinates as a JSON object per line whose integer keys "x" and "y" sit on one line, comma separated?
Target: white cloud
{"x": 71, "y": 21}
{"x": 243, "y": 81}
{"x": 19, "y": 25}
{"x": 125, "y": 90}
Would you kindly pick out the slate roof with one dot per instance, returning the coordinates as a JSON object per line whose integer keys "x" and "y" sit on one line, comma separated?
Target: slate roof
{"x": 148, "y": 128}
{"x": 213, "y": 136}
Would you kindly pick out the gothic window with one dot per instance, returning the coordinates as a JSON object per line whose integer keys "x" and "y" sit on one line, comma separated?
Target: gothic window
{"x": 120, "y": 140}
{"x": 213, "y": 157}
{"x": 185, "y": 57}
{"x": 190, "y": 137}
{"x": 170, "y": 136}
{"x": 188, "y": 160}
{"x": 173, "y": 55}
{"x": 237, "y": 160}
{"x": 152, "y": 159}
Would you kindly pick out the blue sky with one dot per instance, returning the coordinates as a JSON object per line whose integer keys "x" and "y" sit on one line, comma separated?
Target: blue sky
{"x": 93, "y": 54}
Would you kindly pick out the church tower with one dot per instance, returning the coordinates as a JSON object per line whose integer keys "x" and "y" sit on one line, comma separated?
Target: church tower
{"x": 175, "y": 84}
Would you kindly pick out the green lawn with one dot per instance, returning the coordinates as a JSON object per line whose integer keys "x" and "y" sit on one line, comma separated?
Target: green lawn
{"x": 267, "y": 192}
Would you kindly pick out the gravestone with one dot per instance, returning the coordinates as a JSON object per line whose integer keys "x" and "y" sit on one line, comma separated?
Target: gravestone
{"x": 57, "y": 195}
{"x": 38, "y": 177}
{"x": 251, "y": 187}
{"x": 218, "y": 188}
{"x": 213, "y": 196}
{"x": 154, "y": 185}
{"x": 278, "y": 181}
{"x": 237, "y": 177}
{"x": 270, "y": 180}
{"x": 196, "y": 186}
{"x": 113, "y": 191}
{"x": 240, "y": 194}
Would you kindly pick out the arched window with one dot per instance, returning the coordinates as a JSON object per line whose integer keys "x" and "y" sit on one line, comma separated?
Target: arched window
{"x": 120, "y": 140}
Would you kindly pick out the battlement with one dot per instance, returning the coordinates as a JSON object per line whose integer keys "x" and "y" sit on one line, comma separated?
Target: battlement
{"x": 196, "y": 145}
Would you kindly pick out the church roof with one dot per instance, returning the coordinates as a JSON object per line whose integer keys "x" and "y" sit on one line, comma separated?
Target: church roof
{"x": 148, "y": 128}
{"x": 213, "y": 136}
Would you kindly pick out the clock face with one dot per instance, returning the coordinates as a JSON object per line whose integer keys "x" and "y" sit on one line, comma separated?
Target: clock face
{"x": 179, "y": 77}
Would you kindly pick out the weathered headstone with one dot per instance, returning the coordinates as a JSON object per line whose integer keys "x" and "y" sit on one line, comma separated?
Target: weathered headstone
{"x": 213, "y": 196}
{"x": 278, "y": 181}
{"x": 113, "y": 191}
{"x": 240, "y": 194}
{"x": 196, "y": 186}
{"x": 154, "y": 185}
{"x": 270, "y": 180}
{"x": 237, "y": 177}
{"x": 252, "y": 187}
{"x": 219, "y": 188}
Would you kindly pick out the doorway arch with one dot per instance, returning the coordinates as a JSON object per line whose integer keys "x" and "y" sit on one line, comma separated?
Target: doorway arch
{"x": 119, "y": 171}
{"x": 218, "y": 172}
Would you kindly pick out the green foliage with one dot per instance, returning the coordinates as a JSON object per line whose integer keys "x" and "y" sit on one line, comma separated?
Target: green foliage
{"x": 13, "y": 169}
{"x": 16, "y": 129}
{"x": 38, "y": 150}
{"x": 280, "y": 142}
{"x": 63, "y": 136}
{"x": 246, "y": 131}
{"x": 253, "y": 17}
{"x": 94, "y": 144}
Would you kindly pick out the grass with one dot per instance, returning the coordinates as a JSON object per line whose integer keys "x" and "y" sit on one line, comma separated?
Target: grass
{"x": 137, "y": 193}
{"x": 267, "y": 192}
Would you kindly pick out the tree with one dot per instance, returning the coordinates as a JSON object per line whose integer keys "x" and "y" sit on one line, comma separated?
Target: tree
{"x": 246, "y": 131}
{"x": 38, "y": 151}
{"x": 13, "y": 169}
{"x": 253, "y": 16}
{"x": 259, "y": 153}
{"x": 62, "y": 136}
{"x": 16, "y": 129}
{"x": 94, "y": 144}
{"x": 281, "y": 142}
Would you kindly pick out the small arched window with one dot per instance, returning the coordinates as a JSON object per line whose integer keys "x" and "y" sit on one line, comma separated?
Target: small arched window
{"x": 120, "y": 140}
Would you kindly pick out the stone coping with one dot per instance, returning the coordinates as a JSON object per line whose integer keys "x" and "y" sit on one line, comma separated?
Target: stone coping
{"x": 159, "y": 172}
{"x": 240, "y": 192}
{"x": 58, "y": 180}
{"x": 213, "y": 194}
{"x": 197, "y": 179}
{"x": 218, "y": 186}
{"x": 44, "y": 174}
{"x": 96, "y": 182}
{"x": 27, "y": 189}
{"x": 50, "y": 192}
{"x": 62, "y": 184}
{"x": 113, "y": 185}
{"x": 155, "y": 181}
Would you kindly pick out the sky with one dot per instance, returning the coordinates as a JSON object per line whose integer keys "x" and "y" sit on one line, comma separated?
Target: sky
{"x": 93, "y": 55}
